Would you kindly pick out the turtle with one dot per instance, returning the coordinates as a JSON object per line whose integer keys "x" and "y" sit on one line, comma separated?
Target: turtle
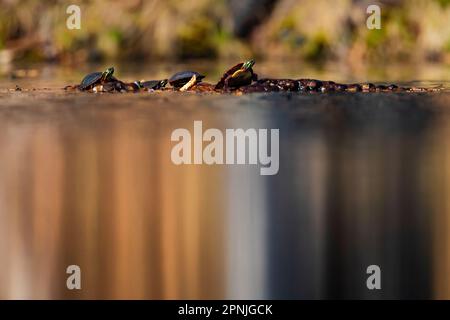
{"x": 240, "y": 75}
{"x": 95, "y": 78}
{"x": 179, "y": 79}
{"x": 153, "y": 84}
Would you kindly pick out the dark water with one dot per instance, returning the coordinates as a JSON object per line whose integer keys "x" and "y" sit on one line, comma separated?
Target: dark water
{"x": 88, "y": 180}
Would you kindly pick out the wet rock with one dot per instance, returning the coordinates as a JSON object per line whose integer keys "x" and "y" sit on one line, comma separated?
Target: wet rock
{"x": 203, "y": 87}
{"x": 274, "y": 85}
{"x": 368, "y": 87}
{"x": 392, "y": 87}
{"x": 355, "y": 87}
{"x": 256, "y": 87}
{"x": 327, "y": 86}
{"x": 340, "y": 87}
{"x": 313, "y": 85}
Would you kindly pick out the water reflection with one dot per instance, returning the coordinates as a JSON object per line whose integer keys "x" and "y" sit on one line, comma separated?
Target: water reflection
{"x": 88, "y": 180}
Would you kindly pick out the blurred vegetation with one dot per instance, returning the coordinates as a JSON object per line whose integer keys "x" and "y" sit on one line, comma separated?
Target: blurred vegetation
{"x": 412, "y": 30}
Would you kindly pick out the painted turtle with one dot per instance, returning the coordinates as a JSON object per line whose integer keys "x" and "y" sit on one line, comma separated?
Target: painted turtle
{"x": 153, "y": 84}
{"x": 95, "y": 78}
{"x": 240, "y": 75}
{"x": 179, "y": 79}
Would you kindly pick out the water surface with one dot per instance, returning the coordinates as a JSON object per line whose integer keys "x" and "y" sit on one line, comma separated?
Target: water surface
{"x": 87, "y": 179}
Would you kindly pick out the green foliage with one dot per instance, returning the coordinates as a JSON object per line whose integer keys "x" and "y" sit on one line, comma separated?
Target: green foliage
{"x": 115, "y": 35}
{"x": 447, "y": 46}
{"x": 197, "y": 39}
{"x": 316, "y": 47}
{"x": 443, "y": 3}
{"x": 375, "y": 38}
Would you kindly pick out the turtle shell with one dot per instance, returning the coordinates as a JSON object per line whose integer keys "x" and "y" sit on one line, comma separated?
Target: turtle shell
{"x": 154, "y": 84}
{"x": 94, "y": 78}
{"x": 179, "y": 79}
{"x": 240, "y": 78}
{"x": 227, "y": 74}
{"x": 90, "y": 80}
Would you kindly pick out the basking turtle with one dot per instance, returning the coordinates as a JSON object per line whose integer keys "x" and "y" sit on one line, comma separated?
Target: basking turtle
{"x": 95, "y": 78}
{"x": 179, "y": 79}
{"x": 240, "y": 75}
{"x": 153, "y": 84}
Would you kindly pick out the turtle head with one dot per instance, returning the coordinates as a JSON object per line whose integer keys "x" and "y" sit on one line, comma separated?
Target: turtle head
{"x": 108, "y": 73}
{"x": 139, "y": 84}
{"x": 163, "y": 83}
{"x": 249, "y": 64}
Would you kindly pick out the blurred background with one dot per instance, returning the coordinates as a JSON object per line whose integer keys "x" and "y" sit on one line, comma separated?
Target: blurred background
{"x": 87, "y": 179}
{"x": 137, "y": 30}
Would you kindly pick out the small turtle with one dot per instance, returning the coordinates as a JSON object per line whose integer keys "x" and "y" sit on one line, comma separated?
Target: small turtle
{"x": 240, "y": 75}
{"x": 189, "y": 84}
{"x": 153, "y": 84}
{"x": 179, "y": 79}
{"x": 95, "y": 78}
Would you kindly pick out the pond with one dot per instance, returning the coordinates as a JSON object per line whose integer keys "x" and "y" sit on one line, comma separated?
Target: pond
{"x": 88, "y": 180}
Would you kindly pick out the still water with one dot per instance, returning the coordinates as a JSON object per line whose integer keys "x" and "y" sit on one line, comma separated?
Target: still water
{"x": 87, "y": 179}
